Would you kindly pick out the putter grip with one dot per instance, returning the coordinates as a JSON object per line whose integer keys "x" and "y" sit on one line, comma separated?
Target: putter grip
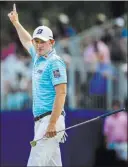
{"x": 113, "y": 112}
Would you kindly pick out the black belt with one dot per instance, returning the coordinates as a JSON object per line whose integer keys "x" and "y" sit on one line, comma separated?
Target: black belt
{"x": 45, "y": 114}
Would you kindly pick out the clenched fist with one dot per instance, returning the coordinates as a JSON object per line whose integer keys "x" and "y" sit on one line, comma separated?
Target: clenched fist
{"x": 13, "y": 16}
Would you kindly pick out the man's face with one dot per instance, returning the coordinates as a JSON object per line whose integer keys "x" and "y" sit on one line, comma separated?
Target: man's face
{"x": 42, "y": 47}
{"x": 115, "y": 107}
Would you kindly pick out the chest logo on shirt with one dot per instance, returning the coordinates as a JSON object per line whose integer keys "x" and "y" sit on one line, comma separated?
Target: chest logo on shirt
{"x": 56, "y": 73}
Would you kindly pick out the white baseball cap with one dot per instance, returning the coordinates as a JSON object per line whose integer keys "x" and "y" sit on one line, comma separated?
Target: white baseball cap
{"x": 43, "y": 32}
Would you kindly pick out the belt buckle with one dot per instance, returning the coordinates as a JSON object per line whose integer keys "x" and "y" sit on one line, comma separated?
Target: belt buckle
{"x": 39, "y": 118}
{"x": 63, "y": 113}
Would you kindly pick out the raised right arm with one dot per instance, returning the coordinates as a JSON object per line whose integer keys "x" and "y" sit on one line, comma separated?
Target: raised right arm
{"x": 24, "y": 36}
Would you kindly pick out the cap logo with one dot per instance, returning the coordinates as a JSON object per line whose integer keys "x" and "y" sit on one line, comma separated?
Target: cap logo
{"x": 39, "y": 31}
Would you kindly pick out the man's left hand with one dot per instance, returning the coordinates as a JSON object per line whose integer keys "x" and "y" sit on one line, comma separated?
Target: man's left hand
{"x": 51, "y": 131}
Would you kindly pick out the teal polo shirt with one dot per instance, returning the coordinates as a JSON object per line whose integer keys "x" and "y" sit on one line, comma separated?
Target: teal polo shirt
{"x": 47, "y": 72}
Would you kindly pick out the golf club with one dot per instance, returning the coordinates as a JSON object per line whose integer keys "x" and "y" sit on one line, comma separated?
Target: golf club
{"x": 34, "y": 142}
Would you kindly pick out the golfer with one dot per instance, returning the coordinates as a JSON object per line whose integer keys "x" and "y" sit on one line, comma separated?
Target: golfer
{"x": 49, "y": 91}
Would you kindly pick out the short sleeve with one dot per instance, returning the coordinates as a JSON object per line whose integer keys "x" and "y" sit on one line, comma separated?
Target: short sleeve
{"x": 32, "y": 52}
{"x": 57, "y": 71}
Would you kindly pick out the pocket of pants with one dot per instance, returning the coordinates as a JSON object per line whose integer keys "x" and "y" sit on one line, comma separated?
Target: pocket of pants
{"x": 60, "y": 126}
{"x": 40, "y": 130}
{"x": 42, "y": 127}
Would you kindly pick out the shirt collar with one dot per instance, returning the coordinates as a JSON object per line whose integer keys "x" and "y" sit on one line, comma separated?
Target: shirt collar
{"x": 49, "y": 54}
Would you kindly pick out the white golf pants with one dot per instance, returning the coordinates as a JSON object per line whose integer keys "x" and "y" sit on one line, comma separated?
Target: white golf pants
{"x": 47, "y": 151}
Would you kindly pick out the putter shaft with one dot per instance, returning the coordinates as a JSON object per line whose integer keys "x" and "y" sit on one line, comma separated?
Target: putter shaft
{"x": 82, "y": 123}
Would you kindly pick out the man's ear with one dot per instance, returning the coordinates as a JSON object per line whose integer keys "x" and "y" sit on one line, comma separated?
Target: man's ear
{"x": 52, "y": 42}
{"x": 32, "y": 41}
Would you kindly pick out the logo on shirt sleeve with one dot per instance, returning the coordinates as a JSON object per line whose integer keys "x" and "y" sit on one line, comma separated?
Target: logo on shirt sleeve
{"x": 56, "y": 73}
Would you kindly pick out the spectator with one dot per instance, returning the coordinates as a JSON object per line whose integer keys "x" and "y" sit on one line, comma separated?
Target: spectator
{"x": 64, "y": 27}
{"x": 115, "y": 131}
{"x": 115, "y": 38}
{"x": 123, "y": 43}
{"x": 8, "y": 50}
{"x": 16, "y": 80}
{"x": 100, "y": 19}
{"x": 90, "y": 54}
{"x": 98, "y": 56}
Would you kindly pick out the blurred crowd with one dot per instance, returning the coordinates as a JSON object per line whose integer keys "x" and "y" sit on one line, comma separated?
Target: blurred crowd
{"x": 104, "y": 54}
{"x": 16, "y": 81}
{"x": 105, "y": 58}
{"x": 98, "y": 55}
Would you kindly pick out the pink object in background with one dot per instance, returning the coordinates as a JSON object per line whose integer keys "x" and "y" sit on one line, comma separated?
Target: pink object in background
{"x": 10, "y": 49}
{"x": 90, "y": 55}
{"x": 115, "y": 128}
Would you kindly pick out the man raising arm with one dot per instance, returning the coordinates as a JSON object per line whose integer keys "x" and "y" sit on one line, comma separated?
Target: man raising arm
{"x": 24, "y": 36}
{"x": 49, "y": 91}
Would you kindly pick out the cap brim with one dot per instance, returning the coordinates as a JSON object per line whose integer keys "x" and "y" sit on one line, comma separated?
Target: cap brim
{"x": 40, "y": 37}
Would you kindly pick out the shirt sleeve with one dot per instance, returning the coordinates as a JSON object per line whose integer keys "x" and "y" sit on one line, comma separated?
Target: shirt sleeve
{"x": 32, "y": 52}
{"x": 58, "y": 72}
